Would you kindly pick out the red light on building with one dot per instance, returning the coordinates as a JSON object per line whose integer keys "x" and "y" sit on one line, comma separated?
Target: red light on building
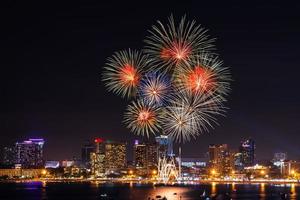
{"x": 99, "y": 140}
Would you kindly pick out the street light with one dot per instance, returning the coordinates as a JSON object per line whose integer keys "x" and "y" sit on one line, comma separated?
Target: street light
{"x": 213, "y": 172}
{"x": 293, "y": 172}
{"x": 44, "y": 172}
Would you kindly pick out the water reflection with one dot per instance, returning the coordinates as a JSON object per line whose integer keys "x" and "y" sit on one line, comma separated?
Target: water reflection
{"x": 262, "y": 191}
{"x": 213, "y": 188}
{"x": 293, "y": 191}
{"x": 171, "y": 193}
{"x": 233, "y": 187}
{"x": 132, "y": 191}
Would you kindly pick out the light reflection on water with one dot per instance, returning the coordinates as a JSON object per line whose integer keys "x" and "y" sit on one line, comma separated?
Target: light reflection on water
{"x": 262, "y": 191}
{"x": 138, "y": 191}
{"x": 171, "y": 193}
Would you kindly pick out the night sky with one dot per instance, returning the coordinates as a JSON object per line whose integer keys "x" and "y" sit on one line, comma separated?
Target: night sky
{"x": 53, "y": 53}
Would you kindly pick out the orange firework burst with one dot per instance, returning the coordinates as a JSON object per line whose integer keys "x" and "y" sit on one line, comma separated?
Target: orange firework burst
{"x": 199, "y": 79}
{"x": 176, "y": 52}
{"x": 142, "y": 118}
{"x": 129, "y": 75}
{"x": 123, "y": 71}
{"x": 203, "y": 73}
{"x": 173, "y": 43}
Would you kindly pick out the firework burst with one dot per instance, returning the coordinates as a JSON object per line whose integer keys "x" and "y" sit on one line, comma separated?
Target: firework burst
{"x": 190, "y": 114}
{"x": 155, "y": 88}
{"x": 180, "y": 85}
{"x": 204, "y": 73}
{"x": 123, "y": 72}
{"x": 142, "y": 118}
{"x": 171, "y": 44}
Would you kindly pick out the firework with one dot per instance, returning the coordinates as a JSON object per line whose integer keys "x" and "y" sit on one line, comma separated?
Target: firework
{"x": 171, "y": 44}
{"x": 203, "y": 73}
{"x": 179, "y": 83}
{"x": 123, "y": 72}
{"x": 142, "y": 118}
{"x": 190, "y": 114}
{"x": 155, "y": 88}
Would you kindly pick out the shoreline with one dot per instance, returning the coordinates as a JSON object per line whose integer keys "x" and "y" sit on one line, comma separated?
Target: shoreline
{"x": 145, "y": 182}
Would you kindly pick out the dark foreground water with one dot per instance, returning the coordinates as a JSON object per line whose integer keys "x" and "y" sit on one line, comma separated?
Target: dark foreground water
{"x": 92, "y": 191}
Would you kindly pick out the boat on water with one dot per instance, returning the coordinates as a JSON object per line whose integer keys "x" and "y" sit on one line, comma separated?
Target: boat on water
{"x": 105, "y": 196}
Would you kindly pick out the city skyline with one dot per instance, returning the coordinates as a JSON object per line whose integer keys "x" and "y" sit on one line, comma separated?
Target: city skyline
{"x": 247, "y": 149}
{"x": 52, "y": 80}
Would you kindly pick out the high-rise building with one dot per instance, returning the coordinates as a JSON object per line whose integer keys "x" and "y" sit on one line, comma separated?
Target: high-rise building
{"x": 165, "y": 146}
{"x": 238, "y": 161}
{"x": 29, "y": 153}
{"x": 86, "y": 151}
{"x": 247, "y": 149}
{"x": 145, "y": 154}
{"x": 220, "y": 158}
{"x": 152, "y": 152}
{"x": 8, "y": 156}
{"x": 115, "y": 156}
{"x": 140, "y": 154}
{"x": 97, "y": 158}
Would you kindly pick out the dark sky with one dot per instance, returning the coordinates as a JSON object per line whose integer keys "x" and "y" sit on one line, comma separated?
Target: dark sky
{"x": 53, "y": 53}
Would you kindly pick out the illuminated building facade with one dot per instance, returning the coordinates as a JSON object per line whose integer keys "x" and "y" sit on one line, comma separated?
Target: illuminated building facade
{"x": 8, "y": 156}
{"x": 29, "y": 153}
{"x": 220, "y": 158}
{"x": 115, "y": 156}
{"x": 238, "y": 161}
{"x": 52, "y": 164}
{"x": 97, "y": 158}
{"x": 140, "y": 155}
{"x": 145, "y": 155}
{"x": 152, "y": 152}
{"x": 247, "y": 149}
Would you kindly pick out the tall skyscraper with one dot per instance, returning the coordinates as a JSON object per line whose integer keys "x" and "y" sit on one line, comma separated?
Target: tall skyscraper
{"x": 86, "y": 151}
{"x": 8, "y": 156}
{"x": 115, "y": 156}
{"x": 152, "y": 154}
{"x": 247, "y": 149}
{"x": 97, "y": 158}
{"x": 220, "y": 158}
{"x": 165, "y": 146}
{"x": 145, "y": 155}
{"x": 29, "y": 153}
{"x": 140, "y": 154}
{"x": 238, "y": 161}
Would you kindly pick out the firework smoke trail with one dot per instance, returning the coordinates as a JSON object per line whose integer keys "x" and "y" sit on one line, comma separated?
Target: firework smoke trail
{"x": 155, "y": 88}
{"x": 203, "y": 73}
{"x": 171, "y": 44}
{"x": 123, "y": 71}
{"x": 142, "y": 118}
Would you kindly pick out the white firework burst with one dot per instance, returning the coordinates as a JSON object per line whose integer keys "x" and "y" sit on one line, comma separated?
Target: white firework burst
{"x": 190, "y": 114}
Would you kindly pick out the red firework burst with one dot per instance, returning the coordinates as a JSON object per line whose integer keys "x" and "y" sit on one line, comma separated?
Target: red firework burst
{"x": 176, "y": 52}
{"x": 199, "y": 79}
{"x": 128, "y": 75}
